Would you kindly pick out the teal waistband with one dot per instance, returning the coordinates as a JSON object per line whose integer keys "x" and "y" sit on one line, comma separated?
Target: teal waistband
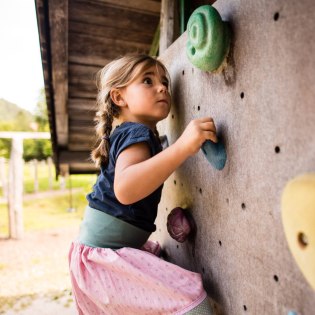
{"x": 99, "y": 229}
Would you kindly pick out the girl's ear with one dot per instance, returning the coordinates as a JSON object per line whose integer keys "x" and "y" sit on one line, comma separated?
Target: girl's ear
{"x": 117, "y": 98}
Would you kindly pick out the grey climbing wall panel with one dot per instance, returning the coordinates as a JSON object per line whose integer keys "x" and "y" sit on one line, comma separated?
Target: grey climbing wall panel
{"x": 263, "y": 104}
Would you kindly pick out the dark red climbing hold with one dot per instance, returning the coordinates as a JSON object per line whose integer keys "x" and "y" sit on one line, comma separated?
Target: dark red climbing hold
{"x": 180, "y": 224}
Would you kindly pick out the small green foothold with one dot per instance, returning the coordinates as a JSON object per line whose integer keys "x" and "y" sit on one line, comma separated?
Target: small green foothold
{"x": 208, "y": 39}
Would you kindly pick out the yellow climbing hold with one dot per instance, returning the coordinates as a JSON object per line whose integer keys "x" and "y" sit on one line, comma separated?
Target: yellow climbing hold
{"x": 298, "y": 218}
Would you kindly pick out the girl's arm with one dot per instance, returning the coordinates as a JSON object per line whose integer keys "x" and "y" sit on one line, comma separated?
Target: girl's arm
{"x": 137, "y": 174}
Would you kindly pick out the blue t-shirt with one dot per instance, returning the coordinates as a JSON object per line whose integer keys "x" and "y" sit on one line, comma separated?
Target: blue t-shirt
{"x": 142, "y": 213}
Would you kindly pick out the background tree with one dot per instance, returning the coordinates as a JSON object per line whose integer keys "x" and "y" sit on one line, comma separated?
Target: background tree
{"x": 39, "y": 149}
{"x": 14, "y": 118}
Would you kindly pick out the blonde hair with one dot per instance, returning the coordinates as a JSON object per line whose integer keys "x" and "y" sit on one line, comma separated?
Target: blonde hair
{"x": 116, "y": 74}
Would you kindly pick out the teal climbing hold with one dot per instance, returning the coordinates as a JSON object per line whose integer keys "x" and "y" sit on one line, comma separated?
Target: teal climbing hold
{"x": 208, "y": 38}
{"x": 215, "y": 153}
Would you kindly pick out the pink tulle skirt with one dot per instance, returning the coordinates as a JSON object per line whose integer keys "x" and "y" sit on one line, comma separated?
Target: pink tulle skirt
{"x": 130, "y": 281}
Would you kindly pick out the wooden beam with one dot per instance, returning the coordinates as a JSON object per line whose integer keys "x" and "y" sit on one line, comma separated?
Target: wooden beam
{"x": 58, "y": 21}
{"x": 83, "y": 168}
{"x": 169, "y": 28}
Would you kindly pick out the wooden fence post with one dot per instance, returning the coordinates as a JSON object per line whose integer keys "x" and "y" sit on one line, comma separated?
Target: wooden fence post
{"x": 35, "y": 165}
{"x": 3, "y": 178}
{"x": 16, "y": 229}
{"x": 50, "y": 178}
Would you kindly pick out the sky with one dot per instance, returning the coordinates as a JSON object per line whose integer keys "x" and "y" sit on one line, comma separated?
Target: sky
{"x": 21, "y": 75}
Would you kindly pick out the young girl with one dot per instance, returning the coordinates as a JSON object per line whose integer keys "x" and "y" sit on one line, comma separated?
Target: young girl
{"x": 113, "y": 266}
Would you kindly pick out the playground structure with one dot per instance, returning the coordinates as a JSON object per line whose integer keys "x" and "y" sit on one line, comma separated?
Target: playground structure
{"x": 262, "y": 102}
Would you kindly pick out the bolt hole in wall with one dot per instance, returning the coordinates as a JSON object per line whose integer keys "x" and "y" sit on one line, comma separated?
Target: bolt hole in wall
{"x": 243, "y": 206}
{"x": 302, "y": 240}
{"x": 198, "y": 108}
{"x": 276, "y": 16}
{"x": 277, "y": 149}
{"x": 172, "y": 116}
{"x": 276, "y": 278}
{"x": 183, "y": 72}
{"x": 245, "y": 307}
{"x": 220, "y": 243}
{"x": 242, "y": 95}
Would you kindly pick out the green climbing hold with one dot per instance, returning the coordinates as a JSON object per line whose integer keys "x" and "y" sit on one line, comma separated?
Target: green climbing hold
{"x": 208, "y": 38}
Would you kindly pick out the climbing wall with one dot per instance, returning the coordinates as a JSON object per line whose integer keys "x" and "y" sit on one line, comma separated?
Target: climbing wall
{"x": 263, "y": 104}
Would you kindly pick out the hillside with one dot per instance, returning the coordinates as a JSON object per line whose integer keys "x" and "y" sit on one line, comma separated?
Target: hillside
{"x": 11, "y": 112}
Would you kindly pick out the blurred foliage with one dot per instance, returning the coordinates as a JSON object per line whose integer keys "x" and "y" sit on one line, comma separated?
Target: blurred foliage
{"x": 13, "y": 118}
{"x": 39, "y": 149}
{"x": 41, "y": 114}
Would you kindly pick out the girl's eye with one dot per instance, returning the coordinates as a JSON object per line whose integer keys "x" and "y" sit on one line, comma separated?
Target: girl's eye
{"x": 147, "y": 81}
{"x": 165, "y": 83}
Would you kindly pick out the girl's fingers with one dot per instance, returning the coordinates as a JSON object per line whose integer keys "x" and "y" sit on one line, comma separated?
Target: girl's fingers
{"x": 209, "y": 135}
{"x": 205, "y": 119}
{"x": 208, "y": 126}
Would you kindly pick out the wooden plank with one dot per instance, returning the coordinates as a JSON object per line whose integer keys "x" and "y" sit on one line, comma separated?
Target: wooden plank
{"x": 79, "y": 146}
{"x": 82, "y": 115}
{"x": 86, "y": 91}
{"x": 144, "y": 6}
{"x": 97, "y": 46}
{"x": 81, "y": 58}
{"x": 110, "y": 31}
{"x": 67, "y": 157}
{"x": 87, "y": 50}
{"x": 58, "y": 21}
{"x": 84, "y": 141}
{"x": 82, "y": 104}
{"x": 78, "y": 137}
{"x": 101, "y": 14}
{"x": 82, "y": 78}
{"x": 88, "y": 128}
{"x": 83, "y": 71}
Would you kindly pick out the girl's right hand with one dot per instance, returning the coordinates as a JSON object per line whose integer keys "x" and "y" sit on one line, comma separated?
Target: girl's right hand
{"x": 195, "y": 134}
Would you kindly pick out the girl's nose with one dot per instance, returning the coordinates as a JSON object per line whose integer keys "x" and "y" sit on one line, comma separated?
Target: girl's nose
{"x": 162, "y": 88}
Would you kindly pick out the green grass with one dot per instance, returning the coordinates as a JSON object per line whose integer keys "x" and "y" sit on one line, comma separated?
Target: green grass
{"x": 52, "y": 212}
{"x": 43, "y": 179}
